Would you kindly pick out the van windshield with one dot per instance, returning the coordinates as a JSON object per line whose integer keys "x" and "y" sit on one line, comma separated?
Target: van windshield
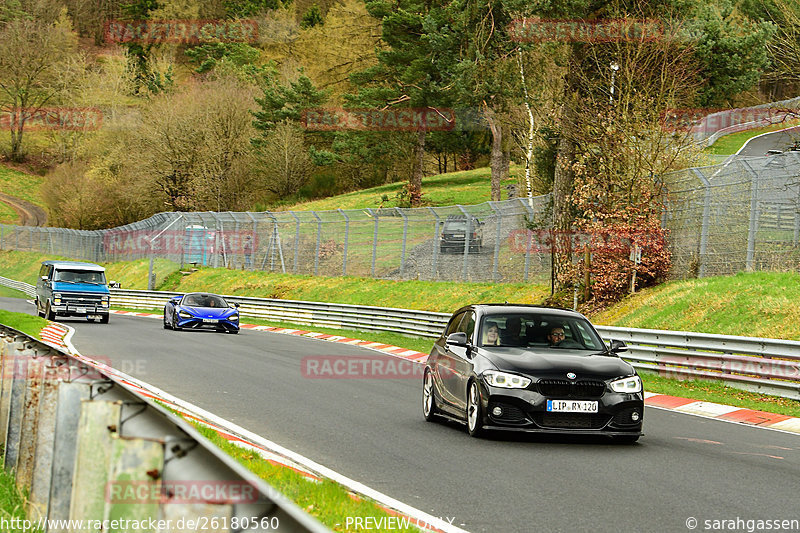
{"x": 81, "y": 276}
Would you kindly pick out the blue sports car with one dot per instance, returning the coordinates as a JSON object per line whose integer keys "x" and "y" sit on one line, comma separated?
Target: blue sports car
{"x": 201, "y": 310}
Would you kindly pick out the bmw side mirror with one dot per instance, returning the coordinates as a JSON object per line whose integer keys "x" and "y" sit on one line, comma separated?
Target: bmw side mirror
{"x": 618, "y": 346}
{"x": 458, "y": 338}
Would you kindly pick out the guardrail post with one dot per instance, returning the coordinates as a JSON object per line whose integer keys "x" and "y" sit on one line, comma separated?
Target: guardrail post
{"x": 16, "y": 401}
{"x": 98, "y": 421}
{"x": 65, "y": 445}
{"x": 346, "y": 240}
{"x": 405, "y": 237}
{"x": 796, "y": 237}
{"x": 754, "y": 214}
{"x": 43, "y": 452}
{"x": 133, "y": 463}
{"x": 374, "y": 240}
{"x": 319, "y": 237}
{"x": 30, "y": 422}
{"x": 437, "y": 227}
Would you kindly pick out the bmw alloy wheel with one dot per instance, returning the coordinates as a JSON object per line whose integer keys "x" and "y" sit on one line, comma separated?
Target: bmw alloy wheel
{"x": 428, "y": 397}
{"x": 474, "y": 415}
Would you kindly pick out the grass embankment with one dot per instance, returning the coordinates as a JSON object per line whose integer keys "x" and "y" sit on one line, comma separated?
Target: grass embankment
{"x": 465, "y": 187}
{"x": 730, "y": 144}
{"x": 12, "y": 501}
{"x": 29, "y": 324}
{"x": 21, "y": 185}
{"x": 755, "y": 304}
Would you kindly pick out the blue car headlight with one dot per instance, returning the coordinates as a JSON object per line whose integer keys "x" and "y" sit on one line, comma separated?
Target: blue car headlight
{"x": 234, "y": 317}
{"x": 184, "y": 314}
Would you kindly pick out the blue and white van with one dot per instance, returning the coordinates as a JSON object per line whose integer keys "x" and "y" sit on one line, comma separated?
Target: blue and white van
{"x": 72, "y": 288}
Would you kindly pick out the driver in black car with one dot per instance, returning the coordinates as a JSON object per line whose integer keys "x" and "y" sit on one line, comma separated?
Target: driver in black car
{"x": 510, "y": 335}
{"x": 556, "y": 336}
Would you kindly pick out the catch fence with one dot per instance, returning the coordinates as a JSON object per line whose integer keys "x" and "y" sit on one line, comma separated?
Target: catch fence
{"x": 743, "y": 215}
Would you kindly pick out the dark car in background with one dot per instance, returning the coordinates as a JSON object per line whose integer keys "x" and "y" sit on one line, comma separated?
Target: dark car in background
{"x": 455, "y": 230}
{"x": 198, "y": 310}
{"x": 533, "y": 369}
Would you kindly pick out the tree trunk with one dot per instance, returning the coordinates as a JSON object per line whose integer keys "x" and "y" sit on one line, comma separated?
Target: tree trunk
{"x": 415, "y": 183}
{"x": 496, "y": 161}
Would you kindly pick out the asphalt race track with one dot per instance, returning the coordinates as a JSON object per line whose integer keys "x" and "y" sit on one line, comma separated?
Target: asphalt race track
{"x": 372, "y": 430}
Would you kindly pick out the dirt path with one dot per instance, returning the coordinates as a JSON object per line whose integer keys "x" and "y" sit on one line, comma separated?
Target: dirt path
{"x": 29, "y": 214}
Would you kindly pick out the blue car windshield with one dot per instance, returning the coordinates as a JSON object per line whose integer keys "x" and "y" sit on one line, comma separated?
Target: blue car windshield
{"x": 204, "y": 300}
{"x": 539, "y": 330}
{"x": 81, "y": 276}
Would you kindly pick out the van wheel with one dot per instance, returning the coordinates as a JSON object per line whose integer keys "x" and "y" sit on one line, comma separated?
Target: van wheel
{"x": 48, "y": 312}
{"x": 39, "y": 310}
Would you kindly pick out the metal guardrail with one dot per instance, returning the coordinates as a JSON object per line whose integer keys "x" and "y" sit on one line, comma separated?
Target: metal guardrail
{"x": 770, "y": 366}
{"x": 29, "y": 290}
{"x": 87, "y": 447}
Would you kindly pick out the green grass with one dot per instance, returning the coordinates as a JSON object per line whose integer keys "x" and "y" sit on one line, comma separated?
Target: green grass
{"x": 466, "y": 187}
{"x": 12, "y": 501}
{"x": 22, "y": 185}
{"x": 758, "y": 304}
{"x": 730, "y": 144}
{"x": 29, "y": 324}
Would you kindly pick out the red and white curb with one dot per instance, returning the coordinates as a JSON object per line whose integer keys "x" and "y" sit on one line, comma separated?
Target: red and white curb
{"x": 727, "y": 413}
{"x": 270, "y": 451}
{"x": 53, "y": 334}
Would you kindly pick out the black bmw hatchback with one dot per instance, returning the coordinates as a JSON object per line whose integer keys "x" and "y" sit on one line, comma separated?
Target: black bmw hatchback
{"x": 535, "y": 369}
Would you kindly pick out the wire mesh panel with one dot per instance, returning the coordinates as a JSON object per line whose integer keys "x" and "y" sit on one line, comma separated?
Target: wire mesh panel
{"x": 740, "y": 215}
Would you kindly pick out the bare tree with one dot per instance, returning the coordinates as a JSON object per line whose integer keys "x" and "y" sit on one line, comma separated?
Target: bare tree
{"x": 286, "y": 165}
{"x": 32, "y": 56}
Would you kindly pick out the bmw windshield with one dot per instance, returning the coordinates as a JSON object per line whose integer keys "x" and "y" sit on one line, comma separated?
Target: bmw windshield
{"x": 540, "y": 330}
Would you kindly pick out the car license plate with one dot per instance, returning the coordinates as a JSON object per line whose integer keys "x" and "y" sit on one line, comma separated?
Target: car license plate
{"x": 80, "y": 309}
{"x": 210, "y": 321}
{"x": 571, "y": 406}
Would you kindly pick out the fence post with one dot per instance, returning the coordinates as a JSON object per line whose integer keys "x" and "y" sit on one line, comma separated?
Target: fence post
{"x": 496, "y": 260}
{"x": 796, "y": 156}
{"x": 704, "y": 228}
{"x": 296, "y": 241}
{"x": 437, "y": 225}
{"x": 754, "y": 214}
{"x": 405, "y": 236}
{"x": 531, "y": 214}
{"x": 319, "y": 237}
{"x": 346, "y": 239}
{"x": 467, "y": 235}
{"x": 374, "y": 240}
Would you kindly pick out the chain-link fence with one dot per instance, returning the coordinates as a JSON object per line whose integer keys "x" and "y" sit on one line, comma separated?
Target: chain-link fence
{"x": 743, "y": 215}
{"x": 484, "y": 242}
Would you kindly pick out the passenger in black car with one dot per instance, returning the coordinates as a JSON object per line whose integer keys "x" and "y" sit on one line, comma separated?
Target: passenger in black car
{"x": 556, "y": 336}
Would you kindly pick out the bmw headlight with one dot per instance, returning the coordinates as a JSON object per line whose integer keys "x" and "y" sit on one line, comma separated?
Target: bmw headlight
{"x": 629, "y": 384}
{"x": 184, "y": 314}
{"x": 504, "y": 380}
